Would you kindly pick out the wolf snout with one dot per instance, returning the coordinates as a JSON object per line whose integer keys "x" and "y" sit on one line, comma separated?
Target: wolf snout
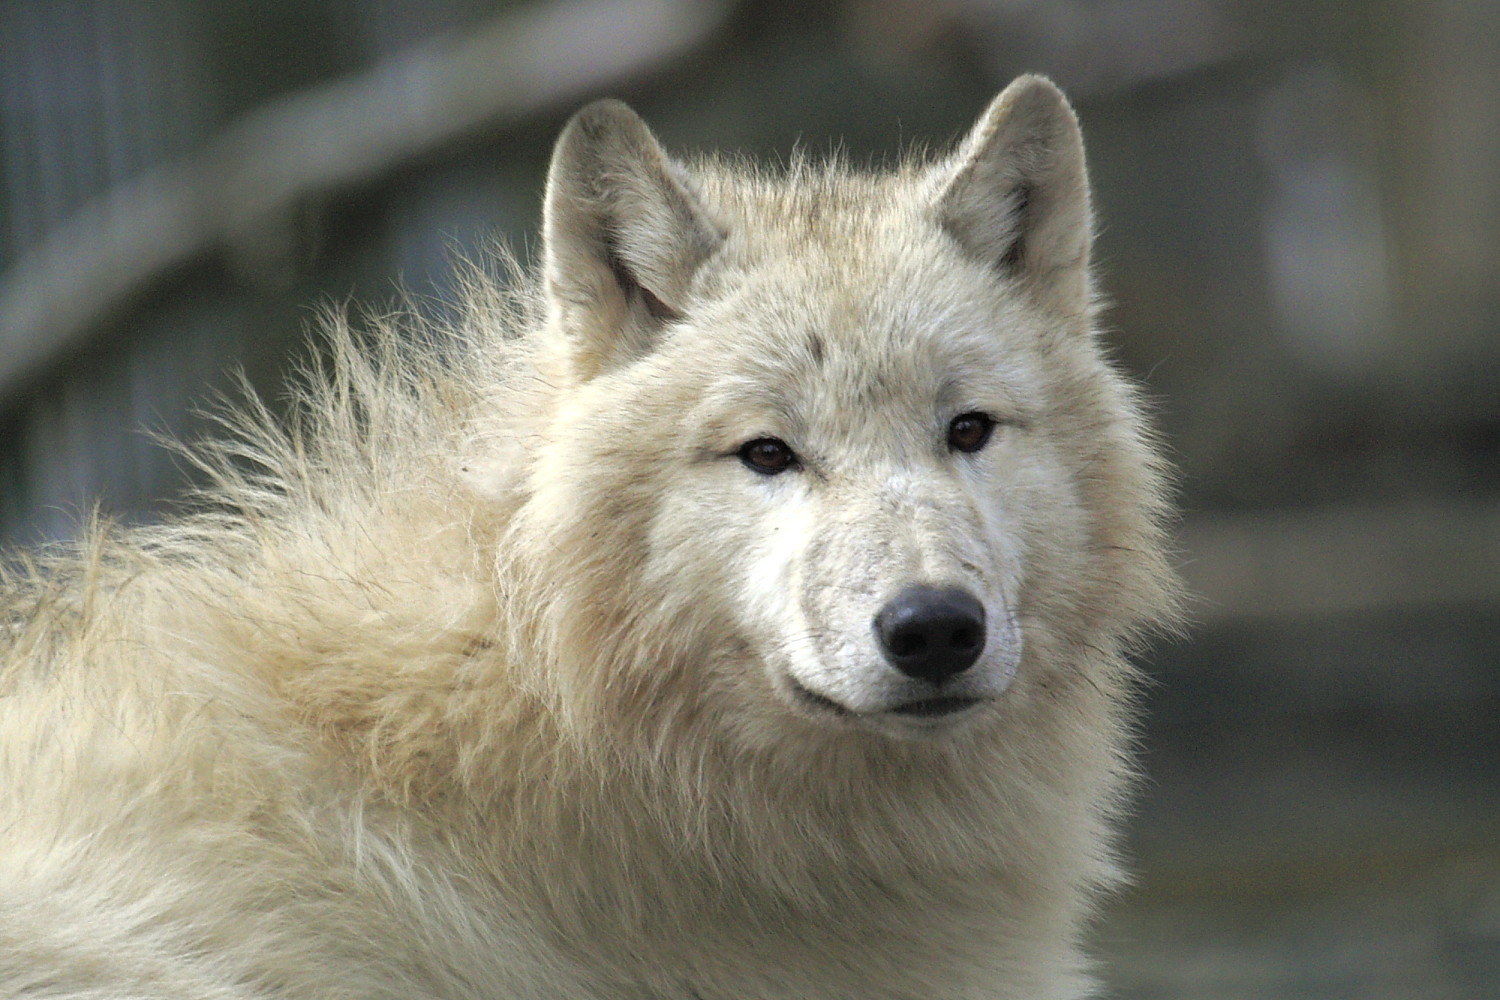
{"x": 931, "y": 633}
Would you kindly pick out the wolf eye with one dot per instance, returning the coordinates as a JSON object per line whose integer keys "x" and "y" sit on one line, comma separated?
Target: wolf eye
{"x": 768, "y": 456}
{"x": 970, "y": 431}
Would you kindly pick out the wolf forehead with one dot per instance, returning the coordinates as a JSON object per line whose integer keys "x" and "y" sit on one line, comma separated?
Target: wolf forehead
{"x": 831, "y": 249}
{"x": 879, "y": 355}
{"x": 855, "y": 370}
{"x": 823, "y": 307}
{"x": 817, "y": 209}
{"x": 920, "y": 282}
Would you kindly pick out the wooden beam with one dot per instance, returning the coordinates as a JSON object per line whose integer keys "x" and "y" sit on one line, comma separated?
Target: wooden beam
{"x": 256, "y": 176}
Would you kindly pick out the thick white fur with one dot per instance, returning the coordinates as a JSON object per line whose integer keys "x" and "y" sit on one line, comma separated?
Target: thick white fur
{"x": 472, "y": 679}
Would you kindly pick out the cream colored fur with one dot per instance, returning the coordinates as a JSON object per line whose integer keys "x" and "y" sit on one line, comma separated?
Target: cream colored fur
{"x": 478, "y": 676}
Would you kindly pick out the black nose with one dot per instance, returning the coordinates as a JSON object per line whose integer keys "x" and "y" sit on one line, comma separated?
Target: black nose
{"x": 931, "y": 633}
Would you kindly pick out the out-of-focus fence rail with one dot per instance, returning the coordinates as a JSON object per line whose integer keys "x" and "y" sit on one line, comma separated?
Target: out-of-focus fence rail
{"x": 242, "y": 193}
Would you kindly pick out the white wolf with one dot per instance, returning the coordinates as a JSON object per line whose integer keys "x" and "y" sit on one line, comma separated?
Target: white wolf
{"x": 736, "y": 613}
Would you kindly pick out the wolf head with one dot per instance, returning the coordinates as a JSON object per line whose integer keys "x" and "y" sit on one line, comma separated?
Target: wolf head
{"x": 837, "y": 447}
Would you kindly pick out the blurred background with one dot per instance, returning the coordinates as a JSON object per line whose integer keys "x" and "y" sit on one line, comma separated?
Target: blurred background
{"x": 1300, "y": 234}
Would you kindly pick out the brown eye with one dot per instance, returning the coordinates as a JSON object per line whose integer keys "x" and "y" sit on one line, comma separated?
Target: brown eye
{"x": 970, "y": 431}
{"x": 767, "y": 456}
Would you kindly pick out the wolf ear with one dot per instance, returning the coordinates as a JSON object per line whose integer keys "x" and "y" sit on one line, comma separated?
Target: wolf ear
{"x": 1016, "y": 193}
{"x": 622, "y": 236}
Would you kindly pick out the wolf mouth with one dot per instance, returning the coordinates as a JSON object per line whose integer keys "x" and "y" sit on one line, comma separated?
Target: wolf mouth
{"x": 924, "y": 708}
{"x": 932, "y": 708}
{"x": 816, "y": 701}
